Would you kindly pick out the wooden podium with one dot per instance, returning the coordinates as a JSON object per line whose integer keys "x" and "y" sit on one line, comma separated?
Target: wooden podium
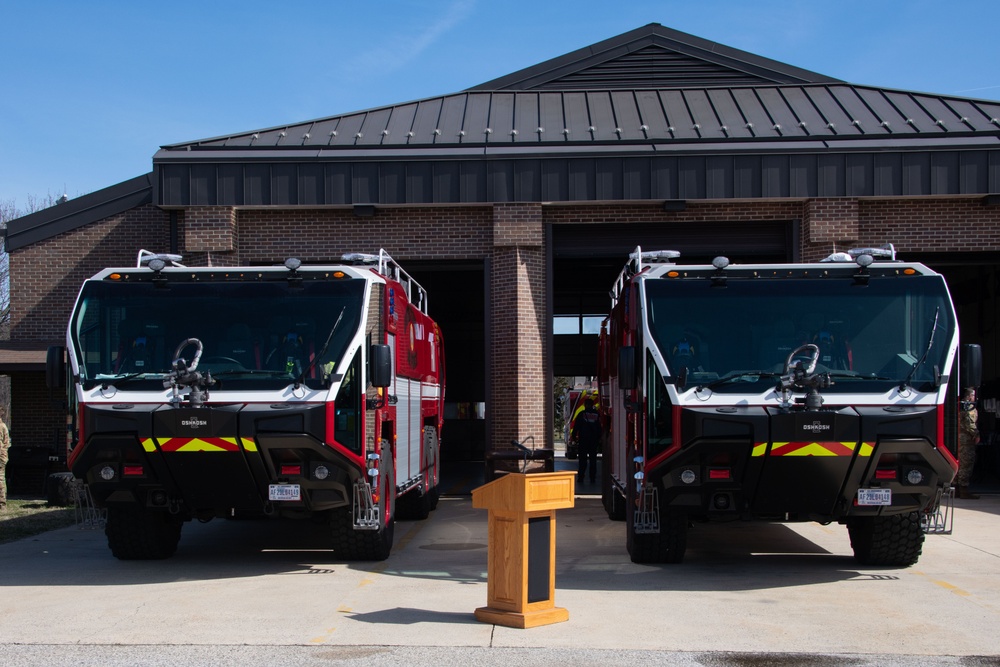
{"x": 521, "y": 581}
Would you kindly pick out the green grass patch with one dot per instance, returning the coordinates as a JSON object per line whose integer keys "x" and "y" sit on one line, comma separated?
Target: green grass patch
{"x": 24, "y": 518}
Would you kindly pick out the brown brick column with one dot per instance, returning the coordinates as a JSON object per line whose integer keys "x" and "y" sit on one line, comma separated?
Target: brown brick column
{"x": 518, "y": 376}
{"x": 210, "y": 237}
{"x": 828, "y": 224}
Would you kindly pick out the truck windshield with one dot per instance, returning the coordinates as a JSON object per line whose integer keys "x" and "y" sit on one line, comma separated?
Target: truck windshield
{"x": 255, "y": 335}
{"x": 738, "y": 337}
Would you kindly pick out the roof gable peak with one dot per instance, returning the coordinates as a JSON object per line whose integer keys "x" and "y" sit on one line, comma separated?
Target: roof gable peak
{"x": 653, "y": 56}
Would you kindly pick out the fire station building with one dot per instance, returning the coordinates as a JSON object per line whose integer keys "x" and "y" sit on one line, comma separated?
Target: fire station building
{"x": 516, "y": 201}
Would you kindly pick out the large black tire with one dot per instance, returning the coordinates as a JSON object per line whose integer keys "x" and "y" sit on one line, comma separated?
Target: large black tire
{"x": 896, "y": 540}
{"x": 137, "y": 534}
{"x": 375, "y": 545}
{"x": 667, "y": 546}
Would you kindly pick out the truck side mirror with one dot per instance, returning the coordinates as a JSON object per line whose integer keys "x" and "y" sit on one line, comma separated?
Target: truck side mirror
{"x": 971, "y": 365}
{"x": 380, "y": 365}
{"x": 626, "y": 368}
{"x": 55, "y": 367}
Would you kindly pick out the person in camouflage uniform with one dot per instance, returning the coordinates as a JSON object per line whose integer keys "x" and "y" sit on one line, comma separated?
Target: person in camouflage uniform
{"x": 968, "y": 438}
{"x": 4, "y": 446}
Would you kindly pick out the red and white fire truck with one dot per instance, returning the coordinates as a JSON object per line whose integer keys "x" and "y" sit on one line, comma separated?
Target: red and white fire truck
{"x": 795, "y": 392}
{"x": 280, "y": 391}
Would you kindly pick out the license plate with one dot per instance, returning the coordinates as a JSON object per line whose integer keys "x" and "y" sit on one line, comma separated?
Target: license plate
{"x": 284, "y": 492}
{"x": 874, "y": 496}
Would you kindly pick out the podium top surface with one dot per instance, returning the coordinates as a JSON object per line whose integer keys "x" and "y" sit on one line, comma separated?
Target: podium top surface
{"x": 519, "y": 492}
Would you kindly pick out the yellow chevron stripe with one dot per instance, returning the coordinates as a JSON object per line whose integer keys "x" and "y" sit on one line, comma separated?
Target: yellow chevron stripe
{"x": 150, "y": 445}
{"x": 759, "y": 449}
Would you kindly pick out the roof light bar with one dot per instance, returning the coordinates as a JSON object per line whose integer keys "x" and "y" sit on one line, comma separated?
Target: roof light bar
{"x": 359, "y": 258}
{"x": 145, "y": 257}
{"x": 651, "y": 256}
{"x": 888, "y": 251}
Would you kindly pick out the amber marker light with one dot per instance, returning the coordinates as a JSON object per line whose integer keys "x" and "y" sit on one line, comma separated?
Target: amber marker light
{"x": 673, "y": 274}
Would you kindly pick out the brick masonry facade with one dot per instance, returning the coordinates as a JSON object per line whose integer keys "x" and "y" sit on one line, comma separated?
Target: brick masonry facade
{"x": 46, "y": 276}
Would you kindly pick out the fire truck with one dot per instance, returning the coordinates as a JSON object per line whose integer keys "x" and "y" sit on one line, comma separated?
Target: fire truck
{"x": 250, "y": 392}
{"x": 822, "y": 392}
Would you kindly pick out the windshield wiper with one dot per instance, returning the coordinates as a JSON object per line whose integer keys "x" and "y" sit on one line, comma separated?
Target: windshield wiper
{"x": 736, "y": 376}
{"x": 126, "y": 377}
{"x": 843, "y": 375}
{"x": 250, "y": 371}
{"x": 927, "y": 350}
{"x": 312, "y": 363}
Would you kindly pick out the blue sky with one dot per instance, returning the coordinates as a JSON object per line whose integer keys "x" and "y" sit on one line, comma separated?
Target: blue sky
{"x": 89, "y": 90}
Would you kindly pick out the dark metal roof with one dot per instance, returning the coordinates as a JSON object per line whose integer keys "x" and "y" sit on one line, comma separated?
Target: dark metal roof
{"x": 548, "y": 122}
{"x": 79, "y": 212}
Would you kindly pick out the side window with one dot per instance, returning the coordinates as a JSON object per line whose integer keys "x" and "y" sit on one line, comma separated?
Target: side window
{"x": 660, "y": 425}
{"x": 348, "y": 408}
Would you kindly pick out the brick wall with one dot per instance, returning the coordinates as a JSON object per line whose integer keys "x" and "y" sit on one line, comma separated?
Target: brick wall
{"x": 271, "y": 236}
{"x": 920, "y": 225}
{"x": 519, "y": 379}
{"x": 45, "y": 277}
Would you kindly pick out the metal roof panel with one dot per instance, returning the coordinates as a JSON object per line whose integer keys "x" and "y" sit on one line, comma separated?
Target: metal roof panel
{"x": 810, "y": 120}
{"x": 680, "y": 123}
{"x": 577, "y": 116}
{"x": 732, "y": 122}
{"x": 425, "y": 121}
{"x": 374, "y": 128}
{"x": 888, "y": 114}
{"x": 627, "y": 116}
{"x": 602, "y": 117}
{"x": 550, "y": 117}
{"x": 526, "y": 118}
{"x": 754, "y": 113}
{"x": 705, "y": 123}
{"x": 783, "y": 120}
{"x": 399, "y": 125}
{"x": 861, "y": 116}
{"x": 836, "y": 119}
{"x": 477, "y": 115}
{"x": 452, "y": 119}
{"x": 652, "y": 114}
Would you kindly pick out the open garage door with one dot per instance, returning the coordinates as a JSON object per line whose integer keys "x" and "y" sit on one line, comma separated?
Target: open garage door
{"x": 456, "y": 297}
{"x": 587, "y": 258}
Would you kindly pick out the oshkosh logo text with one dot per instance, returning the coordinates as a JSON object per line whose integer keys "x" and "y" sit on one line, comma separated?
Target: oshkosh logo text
{"x": 816, "y": 427}
{"x": 193, "y": 422}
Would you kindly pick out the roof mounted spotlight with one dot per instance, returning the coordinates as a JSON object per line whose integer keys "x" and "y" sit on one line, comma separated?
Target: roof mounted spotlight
{"x": 719, "y": 277}
{"x": 863, "y": 261}
{"x": 293, "y": 264}
{"x": 156, "y": 264}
